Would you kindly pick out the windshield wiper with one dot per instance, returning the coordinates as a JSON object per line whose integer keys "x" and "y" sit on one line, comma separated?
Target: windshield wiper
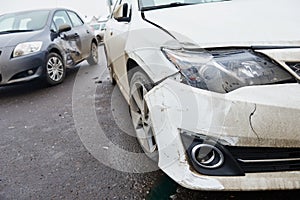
{"x": 174, "y": 4}
{"x": 15, "y": 31}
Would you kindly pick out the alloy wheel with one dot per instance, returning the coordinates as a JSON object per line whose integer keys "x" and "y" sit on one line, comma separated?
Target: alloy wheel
{"x": 55, "y": 69}
{"x": 141, "y": 118}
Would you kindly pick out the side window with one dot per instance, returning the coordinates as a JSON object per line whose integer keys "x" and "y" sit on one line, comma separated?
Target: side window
{"x": 76, "y": 20}
{"x": 128, "y": 2}
{"x": 59, "y": 18}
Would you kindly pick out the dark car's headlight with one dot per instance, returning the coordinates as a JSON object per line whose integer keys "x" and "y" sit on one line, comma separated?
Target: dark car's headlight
{"x": 225, "y": 70}
{"x": 27, "y": 48}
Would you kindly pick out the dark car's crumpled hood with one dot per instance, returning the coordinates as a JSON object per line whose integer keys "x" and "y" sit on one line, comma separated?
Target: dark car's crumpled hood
{"x": 233, "y": 23}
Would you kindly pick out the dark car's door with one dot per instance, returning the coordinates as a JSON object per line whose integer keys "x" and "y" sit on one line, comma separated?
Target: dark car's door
{"x": 85, "y": 33}
{"x": 69, "y": 41}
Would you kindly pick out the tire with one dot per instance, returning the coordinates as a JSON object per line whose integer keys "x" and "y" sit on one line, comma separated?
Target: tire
{"x": 110, "y": 68}
{"x": 111, "y": 75}
{"x": 55, "y": 70}
{"x": 99, "y": 39}
{"x": 140, "y": 84}
{"x": 93, "y": 58}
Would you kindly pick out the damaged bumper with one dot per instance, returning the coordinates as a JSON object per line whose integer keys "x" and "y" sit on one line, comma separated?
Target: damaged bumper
{"x": 257, "y": 117}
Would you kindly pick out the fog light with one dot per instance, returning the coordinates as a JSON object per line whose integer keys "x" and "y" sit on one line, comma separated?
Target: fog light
{"x": 207, "y": 156}
{"x": 30, "y": 72}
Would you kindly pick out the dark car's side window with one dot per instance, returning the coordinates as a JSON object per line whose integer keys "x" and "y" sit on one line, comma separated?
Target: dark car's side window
{"x": 60, "y": 18}
{"x": 76, "y": 20}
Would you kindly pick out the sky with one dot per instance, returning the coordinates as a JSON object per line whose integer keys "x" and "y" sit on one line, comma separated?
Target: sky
{"x": 85, "y": 8}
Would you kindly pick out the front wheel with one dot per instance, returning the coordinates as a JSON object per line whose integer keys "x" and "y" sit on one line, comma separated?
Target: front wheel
{"x": 140, "y": 84}
{"x": 99, "y": 39}
{"x": 93, "y": 58}
{"x": 55, "y": 69}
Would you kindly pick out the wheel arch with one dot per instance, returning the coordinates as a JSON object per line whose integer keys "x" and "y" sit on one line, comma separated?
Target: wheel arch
{"x": 131, "y": 65}
{"x": 94, "y": 40}
{"x": 56, "y": 49}
{"x": 152, "y": 63}
{"x": 99, "y": 38}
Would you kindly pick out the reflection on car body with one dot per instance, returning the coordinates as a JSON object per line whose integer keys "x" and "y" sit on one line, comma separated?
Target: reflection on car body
{"x": 42, "y": 44}
{"x": 213, "y": 88}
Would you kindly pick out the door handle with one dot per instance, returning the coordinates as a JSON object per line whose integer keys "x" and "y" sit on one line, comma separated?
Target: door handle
{"x": 87, "y": 31}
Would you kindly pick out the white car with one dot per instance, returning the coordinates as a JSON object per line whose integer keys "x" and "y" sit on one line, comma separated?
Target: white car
{"x": 213, "y": 88}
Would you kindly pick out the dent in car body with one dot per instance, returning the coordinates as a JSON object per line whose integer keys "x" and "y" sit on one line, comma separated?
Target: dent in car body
{"x": 71, "y": 47}
{"x": 225, "y": 117}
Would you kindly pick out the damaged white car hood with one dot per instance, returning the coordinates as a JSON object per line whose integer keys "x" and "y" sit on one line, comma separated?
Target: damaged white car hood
{"x": 233, "y": 23}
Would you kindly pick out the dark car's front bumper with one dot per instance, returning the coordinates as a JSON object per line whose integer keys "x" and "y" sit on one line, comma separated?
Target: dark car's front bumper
{"x": 19, "y": 69}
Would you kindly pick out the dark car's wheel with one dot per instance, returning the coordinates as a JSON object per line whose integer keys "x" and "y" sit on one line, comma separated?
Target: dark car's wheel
{"x": 55, "y": 69}
{"x": 99, "y": 39}
{"x": 140, "y": 84}
{"x": 93, "y": 58}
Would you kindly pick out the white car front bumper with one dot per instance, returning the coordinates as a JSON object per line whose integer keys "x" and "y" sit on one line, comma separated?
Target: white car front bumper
{"x": 256, "y": 116}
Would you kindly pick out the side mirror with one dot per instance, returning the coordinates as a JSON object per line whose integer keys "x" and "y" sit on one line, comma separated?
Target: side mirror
{"x": 64, "y": 28}
{"x": 121, "y": 13}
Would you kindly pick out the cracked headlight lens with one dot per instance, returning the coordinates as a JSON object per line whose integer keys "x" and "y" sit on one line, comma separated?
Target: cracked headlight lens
{"x": 27, "y": 48}
{"x": 225, "y": 70}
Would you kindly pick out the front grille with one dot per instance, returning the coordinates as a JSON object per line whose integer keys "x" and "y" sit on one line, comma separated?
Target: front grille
{"x": 295, "y": 66}
{"x": 265, "y": 159}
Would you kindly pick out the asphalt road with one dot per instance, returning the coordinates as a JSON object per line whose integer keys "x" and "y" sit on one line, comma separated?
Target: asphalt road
{"x": 74, "y": 141}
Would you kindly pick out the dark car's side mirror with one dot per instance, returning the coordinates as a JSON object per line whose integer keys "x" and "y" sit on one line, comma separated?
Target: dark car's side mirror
{"x": 122, "y": 13}
{"x": 64, "y": 28}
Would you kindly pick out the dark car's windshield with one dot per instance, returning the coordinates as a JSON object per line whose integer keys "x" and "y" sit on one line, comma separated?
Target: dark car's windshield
{"x": 23, "y": 21}
{"x": 157, "y": 4}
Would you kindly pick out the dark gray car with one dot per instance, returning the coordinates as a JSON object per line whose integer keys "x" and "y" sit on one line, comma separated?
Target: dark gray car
{"x": 43, "y": 43}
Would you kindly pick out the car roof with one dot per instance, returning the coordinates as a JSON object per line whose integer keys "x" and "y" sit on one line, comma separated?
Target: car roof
{"x": 43, "y": 9}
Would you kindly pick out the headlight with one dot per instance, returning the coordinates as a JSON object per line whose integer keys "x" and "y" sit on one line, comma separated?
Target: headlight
{"x": 225, "y": 70}
{"x": 27, "y": 48}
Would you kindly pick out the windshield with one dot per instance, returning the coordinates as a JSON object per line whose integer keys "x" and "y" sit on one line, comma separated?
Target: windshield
{"x": 23, "y": 21}
{"x": 157, "y": 4}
